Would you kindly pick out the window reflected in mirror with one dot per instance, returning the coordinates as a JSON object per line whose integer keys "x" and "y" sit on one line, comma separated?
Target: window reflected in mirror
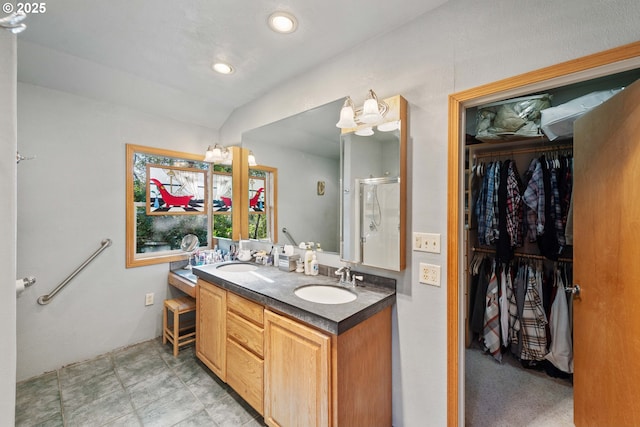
{"x": 222, "y": 202}
{"x": 262, "y": 221}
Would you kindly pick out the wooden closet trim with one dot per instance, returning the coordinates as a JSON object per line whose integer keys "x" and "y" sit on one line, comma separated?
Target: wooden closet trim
{"x": 539, "y": 79}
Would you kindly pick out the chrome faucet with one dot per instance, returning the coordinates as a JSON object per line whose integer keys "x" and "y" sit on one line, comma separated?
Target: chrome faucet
{"x": 346, "y": 277}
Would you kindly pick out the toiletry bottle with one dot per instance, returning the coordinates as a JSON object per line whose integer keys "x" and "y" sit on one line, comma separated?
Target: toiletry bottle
{"x": 308, "y": 256}
{"x": 276, "y": 257}
{"x": 314, "y": 265}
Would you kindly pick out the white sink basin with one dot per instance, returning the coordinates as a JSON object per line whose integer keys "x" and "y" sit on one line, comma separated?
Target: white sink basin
{"x": 237, "y": 267}
{"x": 325, "y": 294}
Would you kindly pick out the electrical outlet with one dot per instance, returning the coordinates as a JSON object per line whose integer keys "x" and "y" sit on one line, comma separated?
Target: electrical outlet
{"x": 429, "y": 274}
{"x": 148, "y": 299}
{"x": 426, "y": 242}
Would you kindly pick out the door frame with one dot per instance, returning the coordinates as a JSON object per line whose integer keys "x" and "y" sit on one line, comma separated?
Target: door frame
{"x": 611, "y": 61}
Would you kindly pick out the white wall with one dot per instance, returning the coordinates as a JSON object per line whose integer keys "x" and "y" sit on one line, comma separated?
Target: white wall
{"x": 70, "y": 198}
{"x": 8, "y": 226}
{"x": 461, "y": 45}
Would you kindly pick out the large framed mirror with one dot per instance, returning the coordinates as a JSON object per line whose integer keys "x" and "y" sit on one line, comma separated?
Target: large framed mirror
{"x": 305, "y": 149}
{"x": 374, "y": 188}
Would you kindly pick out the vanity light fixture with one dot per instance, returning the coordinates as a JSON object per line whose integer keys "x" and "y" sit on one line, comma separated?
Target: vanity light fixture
{"x": 282, "y": 22}
{"x": 222, "y": 68}
{"x": 372, "y": 112}
{"x": 252, "y": 159}
{"x": 218, "y": 154}
{"x": 13, "y": 22}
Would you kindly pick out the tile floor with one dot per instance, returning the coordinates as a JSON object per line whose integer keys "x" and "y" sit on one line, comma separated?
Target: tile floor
{"x": 141, "y": 385}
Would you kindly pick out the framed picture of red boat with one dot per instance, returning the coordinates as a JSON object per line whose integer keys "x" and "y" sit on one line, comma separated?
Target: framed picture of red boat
{"x": 173, "y": 190}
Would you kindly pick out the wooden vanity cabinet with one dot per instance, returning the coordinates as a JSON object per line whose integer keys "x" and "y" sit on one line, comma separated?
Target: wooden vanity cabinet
{"x": 211, "y": 327}
{"x": 245, "y": 356}
{"x": 317, "y": 379}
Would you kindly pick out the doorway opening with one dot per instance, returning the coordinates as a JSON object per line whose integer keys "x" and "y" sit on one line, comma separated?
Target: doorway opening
{"x": 461, "y": 104}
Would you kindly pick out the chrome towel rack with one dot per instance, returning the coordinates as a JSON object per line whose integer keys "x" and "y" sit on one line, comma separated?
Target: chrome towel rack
{"x": 45, "y": 299}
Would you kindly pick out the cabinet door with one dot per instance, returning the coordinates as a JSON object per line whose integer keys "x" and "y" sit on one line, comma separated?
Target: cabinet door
{"x": 297, "y": 374}
{"x": 245, "y": 373}
{"x": 211, "y": 327}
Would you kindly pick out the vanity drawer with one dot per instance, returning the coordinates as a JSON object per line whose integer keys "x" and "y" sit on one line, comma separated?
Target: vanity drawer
{"x": 246, "y": 334}
{"x": 245, "y": 374}
{"x": 245, "y": 308}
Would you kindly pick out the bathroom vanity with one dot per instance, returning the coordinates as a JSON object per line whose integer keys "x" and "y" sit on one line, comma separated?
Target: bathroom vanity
{"x": 297, "y": 362}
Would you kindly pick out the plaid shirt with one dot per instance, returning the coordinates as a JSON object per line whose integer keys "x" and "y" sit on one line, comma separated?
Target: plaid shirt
{"x": 556, "y": 208}
{"x": 534, "y": 320}
{"x": 491, "y": 220}
{"x": 491, "y": 328}
{"x": 514, "y": 206}
{"x": 533, "y": 198}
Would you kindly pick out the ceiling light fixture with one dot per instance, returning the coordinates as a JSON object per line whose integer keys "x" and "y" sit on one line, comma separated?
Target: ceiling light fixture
{"x": 372, "y": 112}
{"x": 222, "y": 68}
{"x": 12, "y": 22}
{"x": 282, "y": 22}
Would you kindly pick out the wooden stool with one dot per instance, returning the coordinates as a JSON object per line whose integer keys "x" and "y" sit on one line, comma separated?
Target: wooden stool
{"x": 174, "y": 333}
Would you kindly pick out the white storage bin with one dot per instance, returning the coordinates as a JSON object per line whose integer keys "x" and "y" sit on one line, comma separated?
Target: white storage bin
{"x": 516, "y": 118}
{"x": 557, "y": 122}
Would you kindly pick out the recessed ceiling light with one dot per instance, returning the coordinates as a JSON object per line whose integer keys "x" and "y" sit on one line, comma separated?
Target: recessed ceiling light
{"x": 222, "y": 68}
{"x": 282, "y": 22}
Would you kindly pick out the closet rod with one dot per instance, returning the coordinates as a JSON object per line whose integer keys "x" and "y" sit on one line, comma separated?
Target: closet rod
{"x": 521, "y": 255}
{"x": 522, "y": 151}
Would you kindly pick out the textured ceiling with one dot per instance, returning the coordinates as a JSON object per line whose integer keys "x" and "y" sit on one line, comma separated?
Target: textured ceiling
{"x": 156, "y": 55}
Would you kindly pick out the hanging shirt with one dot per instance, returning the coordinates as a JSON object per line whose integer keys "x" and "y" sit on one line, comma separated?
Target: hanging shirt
{"x": 514, "y": 206}
{"x": 491, "y": 203}
{"x": 533, "y": 321}
{"x": 491, "y": 329}
{"x": 561, "y": 349}
{"x": 534, "y": 199}
{"x": 481, "y": 205}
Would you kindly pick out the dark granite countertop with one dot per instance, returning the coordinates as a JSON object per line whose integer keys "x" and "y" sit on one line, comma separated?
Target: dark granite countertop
{"x": 274, "y": 289}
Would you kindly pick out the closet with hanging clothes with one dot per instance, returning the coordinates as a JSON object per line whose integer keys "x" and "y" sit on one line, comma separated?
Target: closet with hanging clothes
{"x": 518, "y": 220}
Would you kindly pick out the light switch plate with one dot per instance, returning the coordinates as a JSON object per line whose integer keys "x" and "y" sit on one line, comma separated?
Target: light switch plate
{"x": 426, "y": 242}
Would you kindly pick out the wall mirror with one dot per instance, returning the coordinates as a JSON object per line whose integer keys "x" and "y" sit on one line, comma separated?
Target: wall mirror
{"x": 374, "y": 187}
{"x": 305, "y": 149}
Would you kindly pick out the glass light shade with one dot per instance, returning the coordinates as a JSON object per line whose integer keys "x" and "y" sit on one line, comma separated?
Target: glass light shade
{"x": 370, "y": 111}
{"x": 368, "y": 131}
{"x": 252, "y": 159}
{"x": 227, "y": 157}
{"x": 347, "y": 120}
{"x": 389, "y": 126}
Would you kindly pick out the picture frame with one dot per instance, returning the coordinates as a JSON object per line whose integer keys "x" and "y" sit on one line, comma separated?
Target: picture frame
{"x": 173, "y": 190}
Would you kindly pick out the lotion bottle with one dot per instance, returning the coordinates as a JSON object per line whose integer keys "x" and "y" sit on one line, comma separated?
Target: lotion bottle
{"x": 314, "y": 265}
{"x": 308, "y": 256}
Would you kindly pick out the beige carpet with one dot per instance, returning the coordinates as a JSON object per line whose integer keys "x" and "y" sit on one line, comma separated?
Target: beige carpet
{"x": 505, "y": 394}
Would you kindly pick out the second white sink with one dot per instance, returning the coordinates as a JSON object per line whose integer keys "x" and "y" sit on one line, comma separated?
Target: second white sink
{"x": 325, "y": 294}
